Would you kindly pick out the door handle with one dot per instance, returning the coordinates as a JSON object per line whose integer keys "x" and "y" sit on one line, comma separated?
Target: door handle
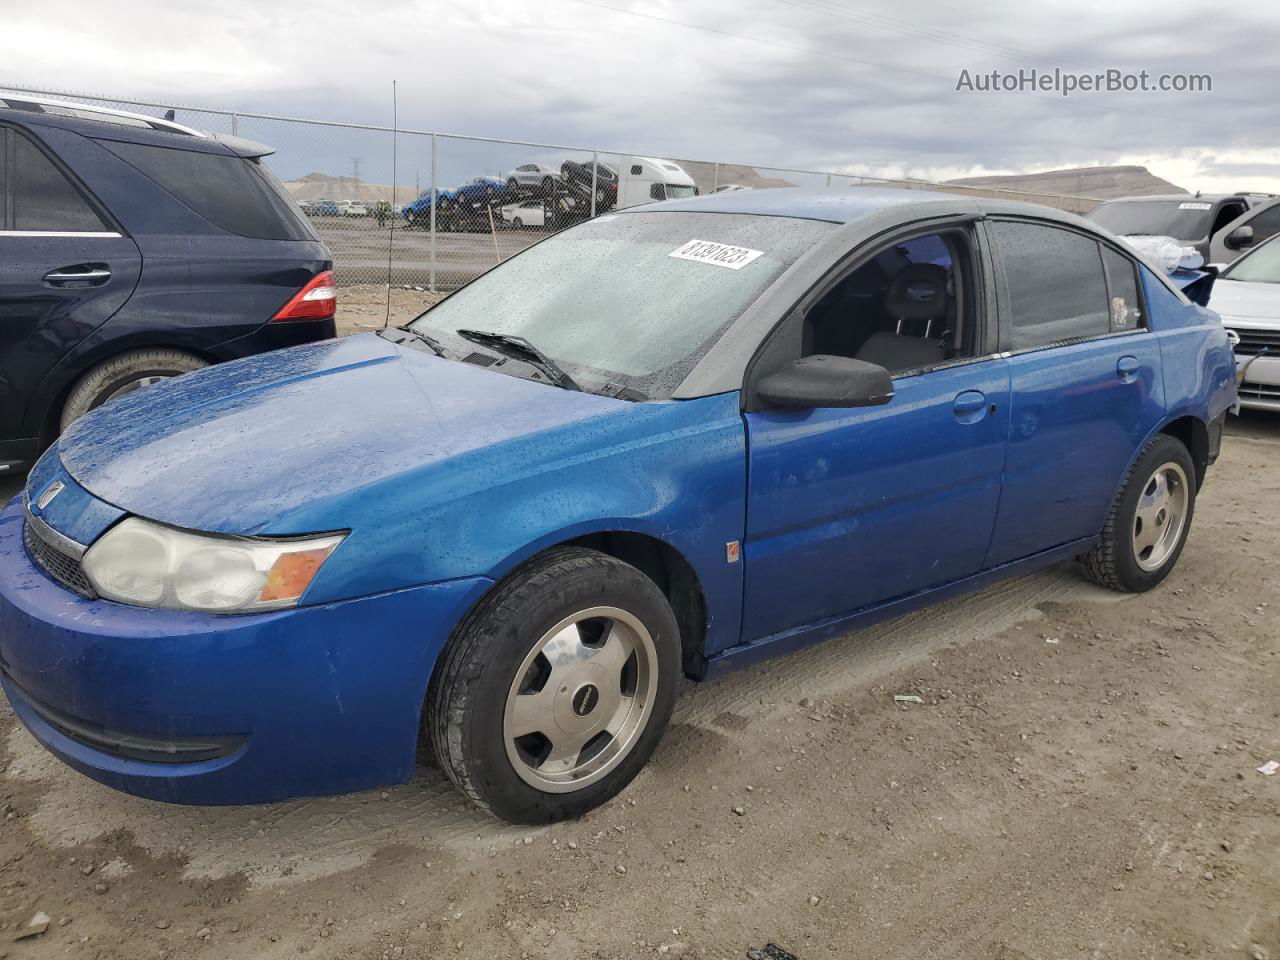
{"x": 1127, "y": 369}
{"x": 970, "y": 406}
{"x": 89, "y": 274}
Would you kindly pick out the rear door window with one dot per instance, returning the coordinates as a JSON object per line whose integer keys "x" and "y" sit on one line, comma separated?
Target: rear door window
{"x": 36, "y": 196}
{"x": 229, "y": 191}
{"x": 1057, "y": 290}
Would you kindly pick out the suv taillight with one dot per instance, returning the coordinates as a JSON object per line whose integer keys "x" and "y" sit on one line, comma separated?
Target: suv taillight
{"x": 318, "y": 300}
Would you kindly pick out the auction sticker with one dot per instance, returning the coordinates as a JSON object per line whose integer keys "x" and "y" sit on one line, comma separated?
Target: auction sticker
{"x": 1197, "y": 205}
{"x": 717, "y": 254}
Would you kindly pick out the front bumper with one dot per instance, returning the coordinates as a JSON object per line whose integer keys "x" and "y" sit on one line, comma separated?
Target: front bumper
{"x": 194, "y": 708}
{"x": 1260, "y": 388}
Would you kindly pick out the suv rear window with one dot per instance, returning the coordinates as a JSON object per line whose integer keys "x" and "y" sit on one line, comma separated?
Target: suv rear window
{"x": 1187, "y": 219}
{"x": 231, "y": 192}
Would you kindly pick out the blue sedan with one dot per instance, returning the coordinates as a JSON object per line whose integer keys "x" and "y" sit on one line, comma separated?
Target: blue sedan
{"x": 668, "y": 441}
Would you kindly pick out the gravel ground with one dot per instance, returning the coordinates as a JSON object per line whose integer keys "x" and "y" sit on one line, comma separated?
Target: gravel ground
{"x": 1079, "y": 782}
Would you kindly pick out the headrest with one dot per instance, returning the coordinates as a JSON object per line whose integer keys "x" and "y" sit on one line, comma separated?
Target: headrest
{"x": 917, "y": 292}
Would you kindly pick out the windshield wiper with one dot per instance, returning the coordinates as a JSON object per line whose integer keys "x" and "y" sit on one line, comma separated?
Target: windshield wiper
{"x": 431, "y": 342}
{"x": 521, "y": 349}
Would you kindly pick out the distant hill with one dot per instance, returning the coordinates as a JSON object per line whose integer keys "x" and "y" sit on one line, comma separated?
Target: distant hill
{"x": 1098, "y": 183}
{"x": 321, "y": 186}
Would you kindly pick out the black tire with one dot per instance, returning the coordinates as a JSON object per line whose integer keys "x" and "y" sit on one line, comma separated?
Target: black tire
{"x": 517, "y": 223}
{"x": 467, "y": 699}
{"x": 513, "y": 184}
{"x": 548, "y": 185}
{"x": 1114, "y": 562}
{"x": 97, "y": 386}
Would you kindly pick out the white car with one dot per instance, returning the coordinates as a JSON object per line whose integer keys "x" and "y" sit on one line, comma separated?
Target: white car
{"x": 531, "y": 213}
{"x": 1247, "y": 295}
{"x": 531, "y": 176}
{"x": 352, "y": 208}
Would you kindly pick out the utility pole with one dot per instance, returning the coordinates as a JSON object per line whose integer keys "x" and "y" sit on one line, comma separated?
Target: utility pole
{"x": 355, "y": 167}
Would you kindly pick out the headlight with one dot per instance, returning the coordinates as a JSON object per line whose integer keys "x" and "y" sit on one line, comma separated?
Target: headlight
{"x": 148, "y": 565}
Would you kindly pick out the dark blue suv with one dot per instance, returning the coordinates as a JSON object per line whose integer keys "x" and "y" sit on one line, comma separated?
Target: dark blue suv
{"x": 133, "y": 249}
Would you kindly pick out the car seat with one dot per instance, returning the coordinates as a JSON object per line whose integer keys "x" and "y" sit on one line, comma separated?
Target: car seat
{"x": 919, "y": 300}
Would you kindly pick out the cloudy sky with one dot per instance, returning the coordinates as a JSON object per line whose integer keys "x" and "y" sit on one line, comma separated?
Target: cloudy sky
{"x": 865, "y": 86}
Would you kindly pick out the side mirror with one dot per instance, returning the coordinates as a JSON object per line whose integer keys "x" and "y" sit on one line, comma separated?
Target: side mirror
{"x": 1240, "y": 238}
{"x": 827, "y": 381}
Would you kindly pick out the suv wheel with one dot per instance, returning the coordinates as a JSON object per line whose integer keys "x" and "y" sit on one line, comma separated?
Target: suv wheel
{"x": 555, "y": 690}
{"x": 124, "y": 374}
{"x": 1149, "y": 521}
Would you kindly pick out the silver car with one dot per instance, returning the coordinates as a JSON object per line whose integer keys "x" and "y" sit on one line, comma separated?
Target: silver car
{"x": 534, "y": 176}
{"x": 1247, "y": 296}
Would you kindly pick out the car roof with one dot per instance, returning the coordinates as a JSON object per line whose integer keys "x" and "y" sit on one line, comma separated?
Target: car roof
{"x": 853, "y": 204}
{"x": 119, "y": 125}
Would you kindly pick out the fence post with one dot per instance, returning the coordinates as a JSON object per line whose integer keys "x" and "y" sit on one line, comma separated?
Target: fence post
{"x": 235, "y": 124}
{"x": 595, "y": 173}
{"x": 432, "y": 285}
{"x": 715, "y": 177}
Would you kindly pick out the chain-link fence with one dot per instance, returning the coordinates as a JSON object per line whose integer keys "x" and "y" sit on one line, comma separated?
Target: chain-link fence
{"x": 430, "y": 211}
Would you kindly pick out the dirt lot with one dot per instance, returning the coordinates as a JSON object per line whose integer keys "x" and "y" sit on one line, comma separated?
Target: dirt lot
{"x": 1079, "y": 782}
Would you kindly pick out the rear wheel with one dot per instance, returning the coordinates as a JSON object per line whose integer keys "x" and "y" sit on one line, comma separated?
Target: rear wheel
{"x": 1149, "y": 521}
{"x": 517, "y": 223}
{"x": 122, "y": 375}
{"x": 556, "y": 689}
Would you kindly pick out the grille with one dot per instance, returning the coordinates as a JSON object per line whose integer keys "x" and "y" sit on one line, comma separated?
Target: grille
{"x": 1259, "y": 391}
{"x": 56, "y": 564}
{"x": 1252, "y": 341}
{"x": 480, "y": 359}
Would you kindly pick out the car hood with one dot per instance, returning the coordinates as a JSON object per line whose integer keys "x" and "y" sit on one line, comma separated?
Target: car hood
{"x": 237, "y": 448}
{"x": 1245, "y": 299}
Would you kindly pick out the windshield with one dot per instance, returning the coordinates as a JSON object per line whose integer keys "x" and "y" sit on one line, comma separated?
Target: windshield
{"x": 1260, "y": 265}
{"x": 678, "y": 191}
{"x": 1182, "y": 219}
{"x": 629, "y": 299}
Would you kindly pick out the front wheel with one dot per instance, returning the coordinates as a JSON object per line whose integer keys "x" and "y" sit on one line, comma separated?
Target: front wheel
{"x": 556, "y": 689}
{"x": 1149, "y": 521}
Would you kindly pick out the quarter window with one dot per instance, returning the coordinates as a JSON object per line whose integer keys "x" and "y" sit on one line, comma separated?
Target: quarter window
{"x": 1057, "y": 289}
{"x": 35, "y": 195}
{"x": 239, "y": 195}
{"x": 1122, "y": 286}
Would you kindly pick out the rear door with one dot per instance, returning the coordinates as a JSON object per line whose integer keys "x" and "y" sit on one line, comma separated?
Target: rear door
{"x": 65, "y": 268}
{"x": 1085, "y": 379}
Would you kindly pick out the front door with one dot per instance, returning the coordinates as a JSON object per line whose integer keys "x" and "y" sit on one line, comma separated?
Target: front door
{"x": 850, "y": 507}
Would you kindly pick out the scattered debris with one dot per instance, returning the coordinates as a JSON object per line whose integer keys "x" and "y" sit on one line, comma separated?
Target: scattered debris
{"x": 740, "y": 811}
{"x": 770, "y": 951}
{"x": 814, "y": 900}
{"x": 620, "y": 870}
{"x": 162, "y": 924}
{"x": 1258, "y": 952}
{"x": 906, "y": 698}
{"x": 35, "y": 926}
{"x": 1269, "y": 768}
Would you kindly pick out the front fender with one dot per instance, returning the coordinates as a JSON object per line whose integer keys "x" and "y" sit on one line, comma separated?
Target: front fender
{"x": 673, "y": 471}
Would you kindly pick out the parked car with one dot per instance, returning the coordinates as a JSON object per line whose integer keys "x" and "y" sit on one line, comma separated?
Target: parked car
{"x": 1192, "y": 218}
{"x": 676, "y": 440}
{"x": 132, "y": 250}
{"x": 530, "y": 213}
{"x": 1257, "y": 224}
{"x": 417, "y": 213}
{"x": 592, "y": 175}
{"x": 729, "y": 188}
{"x": 352, "y": 208}
{"x": 1247, "y": 296}
{"x": 323, "y": 208}
{"x": 530, "y": 176}
{"x": 480, "y": 188}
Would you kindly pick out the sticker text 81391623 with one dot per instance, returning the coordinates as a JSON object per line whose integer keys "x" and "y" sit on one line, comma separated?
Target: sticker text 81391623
{"x": 716, "y": 254}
